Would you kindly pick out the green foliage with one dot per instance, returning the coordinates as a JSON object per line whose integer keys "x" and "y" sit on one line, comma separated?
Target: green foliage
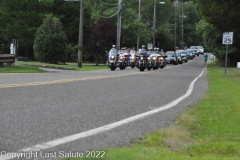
{"x": 220, "y": 17}
{"x": 50, "y": 42}
{"x": 221, "y": 14}
{"x": 46, "y": 2}
{"x": 21, "y": 19}
{"x": 190, "y": 20}
{"x": 71, "y": 52}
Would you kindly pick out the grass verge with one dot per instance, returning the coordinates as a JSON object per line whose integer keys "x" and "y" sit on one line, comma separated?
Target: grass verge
{"x": 21, "y": 69}
{"x": 209, "y": 130}
{"x": 73, "y": 66}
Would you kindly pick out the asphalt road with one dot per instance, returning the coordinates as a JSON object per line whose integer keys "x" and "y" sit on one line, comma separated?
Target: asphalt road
{"x": 39, "y": 108}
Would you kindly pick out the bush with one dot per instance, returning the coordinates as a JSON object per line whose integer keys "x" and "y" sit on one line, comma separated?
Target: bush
{"x": 50, "y": 43}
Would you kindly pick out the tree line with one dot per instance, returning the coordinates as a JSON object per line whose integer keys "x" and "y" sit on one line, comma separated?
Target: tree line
{"x": 21, "y": 19}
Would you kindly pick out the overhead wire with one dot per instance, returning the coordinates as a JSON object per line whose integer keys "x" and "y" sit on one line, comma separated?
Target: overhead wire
{"x": 110, "y": 6}
{"x": 108, "y": 3}
{"x": 111, "y": 15}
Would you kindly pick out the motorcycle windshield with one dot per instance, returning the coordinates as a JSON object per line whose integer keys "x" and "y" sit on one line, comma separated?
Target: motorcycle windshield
{"x": 112, "y": 52}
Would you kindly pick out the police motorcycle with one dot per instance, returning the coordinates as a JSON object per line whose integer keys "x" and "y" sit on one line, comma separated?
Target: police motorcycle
{"x": 112, "y": 59}
{"x": 133, "y": 58}
{"x": 155, "y": 60}
{"x": 142, "y": 56}
{"x": 123, "y": 60}
{"x": 162, "y": 59}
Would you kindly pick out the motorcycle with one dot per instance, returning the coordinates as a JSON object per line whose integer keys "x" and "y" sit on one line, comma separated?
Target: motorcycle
{"x": 112, "y": 59}
{"x": 162, "y": 61}
{"x": 142, "y": 62}
{"x": 123, "y": 60}
{"x": 154, "y": 60}
{"x": 132, "y": 59}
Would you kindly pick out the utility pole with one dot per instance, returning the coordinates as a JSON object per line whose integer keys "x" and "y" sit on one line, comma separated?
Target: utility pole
{"x": 80, "y": 35}
{"x": 139, "y": 17}
{"x": 154, "y": 22}
{"x": 80, "y": 38}
{"x": 175, "y": 25}
{"x": 182, "y": 28}
{"x": 119, "y": 24}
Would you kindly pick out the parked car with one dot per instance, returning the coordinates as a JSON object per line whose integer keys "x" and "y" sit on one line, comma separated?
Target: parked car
{"x": 171, "y": 57}
{"x": 200, "y": 49}
{"x": 183, "y": 54}
{"x": 190, "y": 53}
{"x": 195, "y": 49}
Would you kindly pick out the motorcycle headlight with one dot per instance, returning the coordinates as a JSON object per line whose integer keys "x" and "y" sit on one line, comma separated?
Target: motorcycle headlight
{"x": 121, "y": 57}
{"x": 133, "y": 57}
{"x": 161, "y": 58}
{"x": 154, "y": 58}
{"x": 148, "y": 58}
{"x": 141, "y": 58}
{"x": 112, "y": 57}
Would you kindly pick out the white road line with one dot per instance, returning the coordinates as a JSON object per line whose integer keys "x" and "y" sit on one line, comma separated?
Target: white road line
{"x": 98, "y": 130}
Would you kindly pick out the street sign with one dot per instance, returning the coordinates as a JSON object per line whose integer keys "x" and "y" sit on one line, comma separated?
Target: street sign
{"x": 227, "y": 38}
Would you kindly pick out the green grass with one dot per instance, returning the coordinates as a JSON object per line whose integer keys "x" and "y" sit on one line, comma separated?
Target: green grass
{"x": 209, "y": 130}
{"x": 85, "y": 66}
{"x": 21, "y": 69}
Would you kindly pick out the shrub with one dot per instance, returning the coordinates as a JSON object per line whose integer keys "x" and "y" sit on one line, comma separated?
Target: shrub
{"x": 50, "y": 43}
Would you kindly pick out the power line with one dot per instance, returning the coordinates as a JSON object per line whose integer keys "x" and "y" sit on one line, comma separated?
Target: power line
{"x": 111, "y": 15}
{"x": 108, "y": 3}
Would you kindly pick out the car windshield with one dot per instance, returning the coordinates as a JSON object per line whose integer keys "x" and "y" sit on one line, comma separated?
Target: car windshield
{"x": 194, "y": 47}
{"x": 200, "y": 47}
{"x": 181, "y": 52}
{"x": 189, "y": 51}
{"x": 169, "y": 53}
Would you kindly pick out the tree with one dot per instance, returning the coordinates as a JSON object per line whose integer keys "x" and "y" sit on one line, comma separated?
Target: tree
{"x": 20, "y": 20}
{"x": 222, "y": 16}
{"x": 103, "y": 37}
{"x": 191, "y": 19}
{"x": 50, "y": 41}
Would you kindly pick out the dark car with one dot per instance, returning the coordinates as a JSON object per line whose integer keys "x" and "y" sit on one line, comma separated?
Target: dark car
{"x": 195, "y": 49}
{"x": 171, "y": 57}
{"x": 190, "y": 53}
{"x": 183, "y": 54}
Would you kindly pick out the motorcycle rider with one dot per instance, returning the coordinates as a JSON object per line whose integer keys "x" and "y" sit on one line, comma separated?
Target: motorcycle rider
{"x": 162, "y": 53}
{"x": 113, "y": 51}
{"x": 143, "y": 51}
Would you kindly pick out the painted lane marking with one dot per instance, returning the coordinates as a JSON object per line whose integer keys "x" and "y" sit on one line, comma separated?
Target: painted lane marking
{"x": 101, "y": 129}
{"x": 64, "y": 80}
